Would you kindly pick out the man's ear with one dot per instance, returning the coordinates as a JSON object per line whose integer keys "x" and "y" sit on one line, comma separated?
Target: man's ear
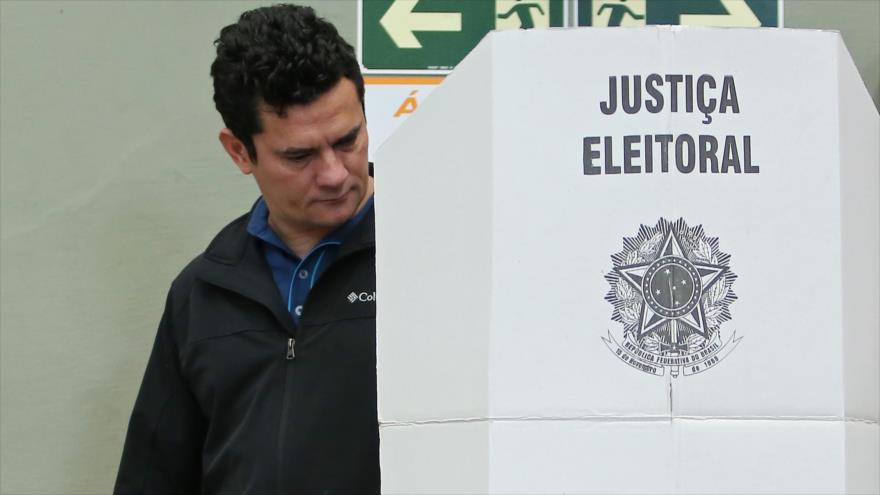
{"x": 237, "y": 151}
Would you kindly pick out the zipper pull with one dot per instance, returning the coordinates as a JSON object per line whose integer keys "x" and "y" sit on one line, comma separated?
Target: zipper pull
{"x": 290, "y": 353}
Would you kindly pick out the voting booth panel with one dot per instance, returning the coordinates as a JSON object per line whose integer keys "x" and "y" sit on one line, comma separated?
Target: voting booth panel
{"x": 633, "y": 260}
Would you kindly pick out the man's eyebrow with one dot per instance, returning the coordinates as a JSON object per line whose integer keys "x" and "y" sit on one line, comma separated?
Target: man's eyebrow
{"x": 349, "y": 136}
{"x": 287, "y": 152}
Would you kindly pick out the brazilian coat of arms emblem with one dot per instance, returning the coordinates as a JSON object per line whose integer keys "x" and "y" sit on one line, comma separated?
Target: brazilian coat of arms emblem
{"x": 671, "y": 288}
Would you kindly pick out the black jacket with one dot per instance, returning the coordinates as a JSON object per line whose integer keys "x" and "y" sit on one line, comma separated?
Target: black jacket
{"x": 237, "y": 399}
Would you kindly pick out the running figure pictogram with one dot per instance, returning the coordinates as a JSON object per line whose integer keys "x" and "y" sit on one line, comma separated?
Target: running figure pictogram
{"x": 524, "y": 12}
{"x": 618, "y": 10}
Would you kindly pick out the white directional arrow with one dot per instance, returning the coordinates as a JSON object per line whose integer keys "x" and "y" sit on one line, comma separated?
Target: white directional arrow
{"x": 738, "y": 15}
{"x": 400, "y": 22}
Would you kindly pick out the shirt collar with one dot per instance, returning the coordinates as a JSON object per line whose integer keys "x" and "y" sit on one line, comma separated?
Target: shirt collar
{"x": 258, "y": 226}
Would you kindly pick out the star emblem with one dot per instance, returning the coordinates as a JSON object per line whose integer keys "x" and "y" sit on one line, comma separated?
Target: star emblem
{"x": 664, "y": 300}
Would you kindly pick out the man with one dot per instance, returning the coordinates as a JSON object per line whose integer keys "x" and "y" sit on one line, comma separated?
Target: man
{"x": 262, "y": 378}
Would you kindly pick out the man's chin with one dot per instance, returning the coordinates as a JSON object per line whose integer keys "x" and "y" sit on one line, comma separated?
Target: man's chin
{"x": 332, "y": 216}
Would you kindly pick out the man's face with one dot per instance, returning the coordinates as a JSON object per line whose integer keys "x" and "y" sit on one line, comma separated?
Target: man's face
{"x": 311, "y": 164}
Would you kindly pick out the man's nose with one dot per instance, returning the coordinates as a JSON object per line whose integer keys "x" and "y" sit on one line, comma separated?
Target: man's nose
{"x": 332, "y": 171}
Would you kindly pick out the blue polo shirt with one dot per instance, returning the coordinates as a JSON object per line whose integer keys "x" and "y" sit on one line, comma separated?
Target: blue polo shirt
{"x": 295, "y": 277}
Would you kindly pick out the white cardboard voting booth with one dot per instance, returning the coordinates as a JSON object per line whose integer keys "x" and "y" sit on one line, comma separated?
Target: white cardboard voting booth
{"x": 633, "y": 260}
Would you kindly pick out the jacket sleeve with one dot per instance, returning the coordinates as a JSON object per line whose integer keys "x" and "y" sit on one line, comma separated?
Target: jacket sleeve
{"x": 162, "y": 453}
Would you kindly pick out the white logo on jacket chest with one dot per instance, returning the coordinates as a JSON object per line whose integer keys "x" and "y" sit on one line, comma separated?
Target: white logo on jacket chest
{"x": 361, "y": 297}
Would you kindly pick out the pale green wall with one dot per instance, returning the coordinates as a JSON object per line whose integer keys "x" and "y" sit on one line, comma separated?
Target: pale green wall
{"x": 858, "y": 22}
{"x": 111, "y": 179}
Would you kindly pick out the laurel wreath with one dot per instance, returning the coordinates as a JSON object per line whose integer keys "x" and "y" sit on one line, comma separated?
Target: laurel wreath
{"x": 713, "y": 301}
{"x": 714, "y": 298}
{"x": 646, "y": 250}
{"x": 703, "y": 252}
{"x": 631, "y": 303}
{"x": 651, "y": 343}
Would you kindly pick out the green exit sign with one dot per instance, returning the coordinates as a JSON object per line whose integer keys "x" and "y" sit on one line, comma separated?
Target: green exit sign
{"x": 724, "y": 13}
{"x": 434, "y": 35}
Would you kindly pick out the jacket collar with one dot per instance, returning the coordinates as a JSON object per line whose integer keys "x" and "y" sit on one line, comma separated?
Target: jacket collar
{"x": 362, "y": 236}
{"x": 235, "y": 262}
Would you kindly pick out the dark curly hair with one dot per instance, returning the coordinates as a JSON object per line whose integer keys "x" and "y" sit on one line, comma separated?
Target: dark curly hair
{"x": 281, "y": 55}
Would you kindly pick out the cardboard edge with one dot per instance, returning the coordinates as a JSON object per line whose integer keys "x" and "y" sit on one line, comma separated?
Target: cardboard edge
{"x": 859, "y": 148}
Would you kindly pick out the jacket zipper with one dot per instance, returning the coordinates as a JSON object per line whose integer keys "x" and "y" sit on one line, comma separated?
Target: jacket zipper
{"x": 290, "y": 353}
{"x": 291, "y": 342}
